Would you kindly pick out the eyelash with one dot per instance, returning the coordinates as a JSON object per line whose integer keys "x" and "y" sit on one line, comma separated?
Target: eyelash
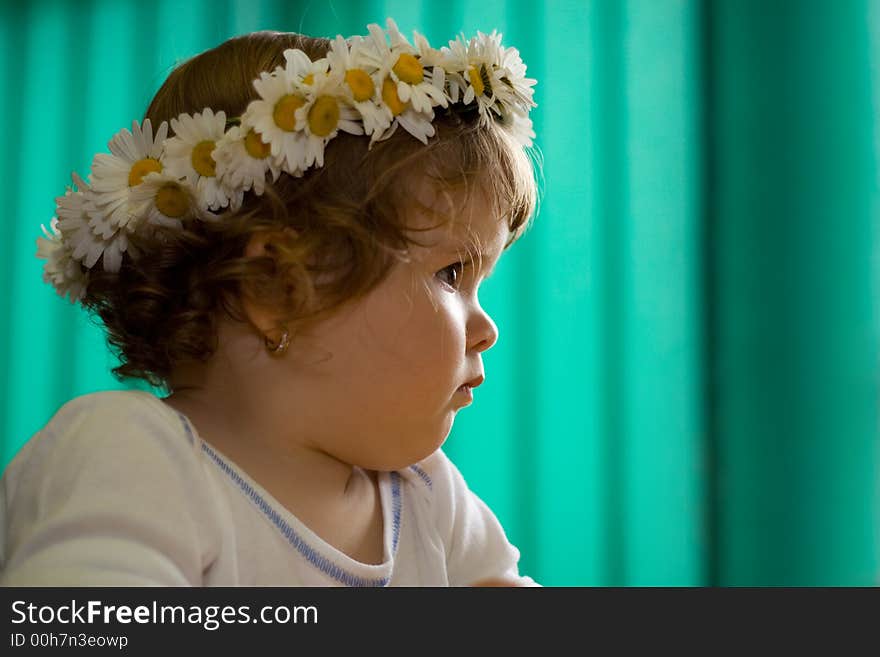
{"x": 456, "y": 266}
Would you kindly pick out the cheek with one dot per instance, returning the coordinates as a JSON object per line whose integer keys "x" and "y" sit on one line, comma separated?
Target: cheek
{"x": 417, "y": 331}
{"x": 440, "y": 321}
{"x": 430, "y": 346}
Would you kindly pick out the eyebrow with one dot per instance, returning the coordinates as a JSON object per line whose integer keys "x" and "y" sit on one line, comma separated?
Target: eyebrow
{"x": 466, "y": 262}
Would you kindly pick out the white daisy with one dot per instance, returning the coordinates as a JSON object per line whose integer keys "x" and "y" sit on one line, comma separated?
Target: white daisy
{"x": 397, "y": 111}
{"x": 325, "y": 113}
{"x": 483, "y": 70}
{"x": 360, "y": 88}
{"x": 167, "y": 200}
{"x": 431, "y": 59}
{"x": 520, "y": 126}
{"x": 418, "y": 124}
{"x": 403, "y": 64}
{"x": 455, "y": 63}
{"x": 114, "y": 247}
{"x": 302, "y": 70}
{"x": 189, "y": 154}
{"x": 274, "y": 117}
{"x": 326, "y": 110}
{"x": 75, "y": 211}
{"x": 515, "y": 90}
{"x": 243, "y": 161}
{"x": 133, "y": 155}
{"x": 475, "y": 63}
{"x": 61, "y": 270}
{"x": 77, "y": 215}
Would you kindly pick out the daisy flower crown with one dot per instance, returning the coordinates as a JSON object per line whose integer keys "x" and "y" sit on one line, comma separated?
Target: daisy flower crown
{"x": 367, "y": 86}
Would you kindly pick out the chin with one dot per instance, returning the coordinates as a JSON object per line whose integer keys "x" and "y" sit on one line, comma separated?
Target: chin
{"x": 388, "y": 457}
{"x": 404, "y": 462}
{"x": 411, "y": 456}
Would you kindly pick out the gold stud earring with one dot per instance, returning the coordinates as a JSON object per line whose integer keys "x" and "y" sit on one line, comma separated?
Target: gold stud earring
{"x": 279, "y": 348}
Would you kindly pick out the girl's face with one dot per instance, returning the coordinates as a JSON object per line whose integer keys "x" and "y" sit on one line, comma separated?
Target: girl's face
{"x": 385, "y": 372}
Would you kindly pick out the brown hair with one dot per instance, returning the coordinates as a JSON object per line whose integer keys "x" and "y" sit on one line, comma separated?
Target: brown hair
{"x": 161, "y": 308}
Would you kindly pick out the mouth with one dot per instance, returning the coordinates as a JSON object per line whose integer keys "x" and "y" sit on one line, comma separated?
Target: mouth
{"x": 473, "y": 383}
{"x": 466, "y": 391}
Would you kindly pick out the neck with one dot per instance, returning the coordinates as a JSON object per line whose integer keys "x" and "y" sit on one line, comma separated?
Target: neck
{"x": 272, "y": 455}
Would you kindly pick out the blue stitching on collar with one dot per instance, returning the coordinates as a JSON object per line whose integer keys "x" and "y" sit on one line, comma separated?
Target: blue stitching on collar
{"x": 314, "y": 557}
{"x": 424, "y": 475}
{"x": 395, "y": 505}
{"x": 185, "y": 423}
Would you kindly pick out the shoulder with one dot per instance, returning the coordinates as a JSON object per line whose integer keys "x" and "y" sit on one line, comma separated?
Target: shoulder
{"x": 476, "y": 546}
{"x": 116, "y": 415}
{"x": 109, "y": 431}
{"x": 112, "y": 406}
{"x": 117, "y": 420}
{"x": 111, "y": 490}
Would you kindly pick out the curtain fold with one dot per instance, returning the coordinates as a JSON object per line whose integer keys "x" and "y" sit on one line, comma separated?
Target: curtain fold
{"x": 685, "y": 387}
{"x": 793, "y": 207}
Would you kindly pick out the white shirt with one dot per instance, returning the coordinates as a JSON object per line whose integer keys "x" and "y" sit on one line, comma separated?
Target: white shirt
{"x": 119, "y": 490}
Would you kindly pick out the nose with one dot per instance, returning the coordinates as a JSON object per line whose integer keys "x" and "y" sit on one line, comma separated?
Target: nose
{"x": 482, "y": 331}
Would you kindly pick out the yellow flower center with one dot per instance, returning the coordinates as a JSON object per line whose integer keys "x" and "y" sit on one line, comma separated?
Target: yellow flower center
{"x": 408, "y": 69}
{"x": 360, "y": 83}
{"x": 171, "y": 201}
{"x": 285, "y": 112}
{"x": 323, "y": 116}
{"x": 389, "y": 95}
{"x": 256, "y": 147}
{"x": 476, "y": 80}
{"x": 141, "y": 168}
{"x": 309, "y": 79}
{"x": 202, "y": 161}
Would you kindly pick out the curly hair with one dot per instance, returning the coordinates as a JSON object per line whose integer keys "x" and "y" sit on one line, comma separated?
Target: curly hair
{"x": 337, "y": 231}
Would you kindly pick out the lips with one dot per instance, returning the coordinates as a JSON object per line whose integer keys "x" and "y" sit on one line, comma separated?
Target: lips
{"x": 467, "y": 388}
{"x": 475, "y": 382}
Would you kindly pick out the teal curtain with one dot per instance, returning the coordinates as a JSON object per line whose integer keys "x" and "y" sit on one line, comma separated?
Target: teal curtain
{"x": 686, "y": 383}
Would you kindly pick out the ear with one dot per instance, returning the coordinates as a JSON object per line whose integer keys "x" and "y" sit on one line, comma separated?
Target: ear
{"x": 260, "y": 245}
{"x": 256, "y": 246}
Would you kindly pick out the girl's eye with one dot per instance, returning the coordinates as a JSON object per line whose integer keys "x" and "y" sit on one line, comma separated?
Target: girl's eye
{"x": 454, "y": 271}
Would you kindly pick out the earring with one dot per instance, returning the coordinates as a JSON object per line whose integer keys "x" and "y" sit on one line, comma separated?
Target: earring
{"x": 279, "y": 348}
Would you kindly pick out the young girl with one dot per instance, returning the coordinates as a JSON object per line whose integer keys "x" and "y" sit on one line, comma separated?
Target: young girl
{"x": 291, "y": 244}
